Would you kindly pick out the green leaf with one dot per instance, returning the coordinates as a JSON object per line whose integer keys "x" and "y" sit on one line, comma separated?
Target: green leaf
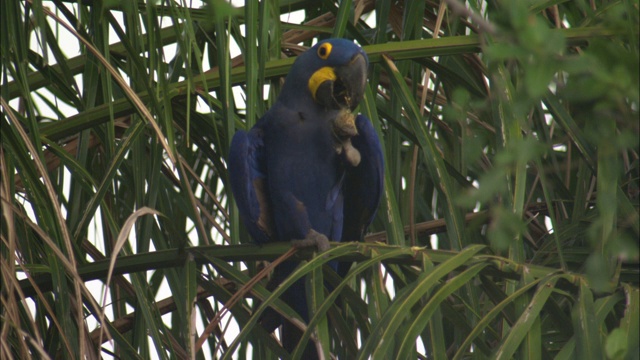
{"x": 616, "y": 345}
{"x": 400, "y": 309}
{"x": 588, "y": 339}
{"x": 521, "y": 328}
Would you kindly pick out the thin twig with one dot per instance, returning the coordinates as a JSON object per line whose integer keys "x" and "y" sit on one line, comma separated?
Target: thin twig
{"x": 239, "y": 295}
{"x": 481, "y": 23}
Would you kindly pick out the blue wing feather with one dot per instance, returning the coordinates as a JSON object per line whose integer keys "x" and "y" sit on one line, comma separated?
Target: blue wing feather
{"x": 248, "y": 183}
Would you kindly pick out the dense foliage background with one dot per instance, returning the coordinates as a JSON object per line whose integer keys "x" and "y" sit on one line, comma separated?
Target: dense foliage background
{"x": 509, "y": 225}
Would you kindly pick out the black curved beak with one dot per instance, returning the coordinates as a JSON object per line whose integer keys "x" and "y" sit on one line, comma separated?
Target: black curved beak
{"x": 347, "y": 90}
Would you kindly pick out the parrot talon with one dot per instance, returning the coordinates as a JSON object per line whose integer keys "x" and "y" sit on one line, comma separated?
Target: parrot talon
{"x": 344, "y": 125}
{"x": 313, "y": 238}
{"x": 351, "y": 153}
{"x": 344, "y": 128}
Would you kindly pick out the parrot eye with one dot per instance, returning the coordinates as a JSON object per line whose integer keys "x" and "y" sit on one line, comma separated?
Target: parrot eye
{"x": 324, "y": 51}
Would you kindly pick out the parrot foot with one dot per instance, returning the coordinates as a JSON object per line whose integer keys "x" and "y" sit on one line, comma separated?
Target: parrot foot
{"x": 350, "y": 153}
{"x": 344, "y": 125}
{"x": 344, "y": 128}
{"x": 313, "y": 238}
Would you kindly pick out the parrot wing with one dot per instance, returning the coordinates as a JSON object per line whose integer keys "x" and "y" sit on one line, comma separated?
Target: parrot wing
{"x": 247, "y": 174}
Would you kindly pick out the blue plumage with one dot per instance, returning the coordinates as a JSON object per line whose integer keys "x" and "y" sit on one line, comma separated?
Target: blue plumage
{"x": 308, "y": 171}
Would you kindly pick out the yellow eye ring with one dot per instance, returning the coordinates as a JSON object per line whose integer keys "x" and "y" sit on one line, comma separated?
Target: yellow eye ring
{"x": 324, "y": 51}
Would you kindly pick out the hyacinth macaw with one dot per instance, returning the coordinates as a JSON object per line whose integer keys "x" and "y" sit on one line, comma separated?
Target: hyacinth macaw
{"x": 309, "y": 171}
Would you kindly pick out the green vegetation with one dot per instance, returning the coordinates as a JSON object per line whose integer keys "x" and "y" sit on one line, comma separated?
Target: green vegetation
{"x": 510, "y": 131}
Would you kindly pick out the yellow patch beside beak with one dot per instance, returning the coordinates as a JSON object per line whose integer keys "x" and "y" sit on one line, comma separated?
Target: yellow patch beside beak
{"x": 323, "y": 74}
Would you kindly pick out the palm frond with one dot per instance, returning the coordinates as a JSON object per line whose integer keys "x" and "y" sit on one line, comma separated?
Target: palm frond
{"x": 508, "y": 226}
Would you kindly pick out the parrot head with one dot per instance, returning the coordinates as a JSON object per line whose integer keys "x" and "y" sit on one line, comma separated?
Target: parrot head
{"x": 334, "y": 72}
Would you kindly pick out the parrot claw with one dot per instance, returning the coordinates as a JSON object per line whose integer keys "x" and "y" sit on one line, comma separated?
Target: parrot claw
{"x": 344, "y": 128}
{"x": 313, "y": 238}
{"x": 350, "y": 153}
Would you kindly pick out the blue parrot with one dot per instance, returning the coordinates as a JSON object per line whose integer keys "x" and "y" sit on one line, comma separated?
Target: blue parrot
{"x": 310, "y": 171}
